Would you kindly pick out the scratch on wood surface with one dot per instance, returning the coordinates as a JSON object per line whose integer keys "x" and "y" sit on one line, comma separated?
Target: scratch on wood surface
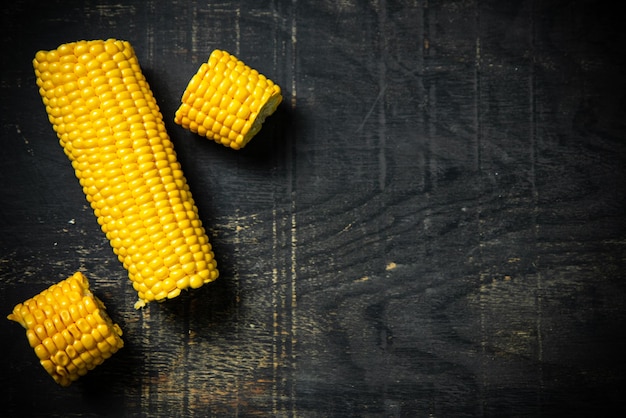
{"x": 237, "y": 31}
{"x": 378, "y": 98}
{"x": 294, "y": 226}
{"x": 109, "y": 13}
{"x": 29, "y": 148}
{"x": 145, "y": 380}
{"x": 504, "y": 300}
{"x": 150, "y": 31}
{"x": 114, "y": 10}
{"x": 294, "y": 44}
{"x": 238, "y": 222}
{"x": 478, "y": 167}
{"x": 382, "y": 86}
{"x": 194, "y": 32}
{"x": 275, "y": 330}
{"x": 346, "y": 228}
{"x": 533, "y": 134}
{"x": 294, "y": 302}
{"x": 432, "y": 131}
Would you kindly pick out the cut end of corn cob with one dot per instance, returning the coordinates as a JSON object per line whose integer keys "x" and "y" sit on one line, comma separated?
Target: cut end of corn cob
{"x": 69, "y": 329}
{"x": 227, "y": 101}
{"x": 110, "y": 127}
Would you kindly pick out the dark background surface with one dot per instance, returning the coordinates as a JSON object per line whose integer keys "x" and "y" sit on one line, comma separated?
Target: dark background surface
{"x": 431, "y": 224}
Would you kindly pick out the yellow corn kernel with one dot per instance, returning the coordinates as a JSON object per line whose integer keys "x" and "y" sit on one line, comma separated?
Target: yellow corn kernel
{"x": 227, "y": 101}
{"x": 55, "y": 349}
{"x": 111, "y": 129}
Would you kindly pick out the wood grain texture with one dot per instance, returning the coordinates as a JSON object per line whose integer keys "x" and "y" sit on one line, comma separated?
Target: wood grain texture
{"x": 431, "y": 224}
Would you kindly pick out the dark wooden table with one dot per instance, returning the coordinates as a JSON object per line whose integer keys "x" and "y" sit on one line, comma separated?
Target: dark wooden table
{"x": 431, "y": 224}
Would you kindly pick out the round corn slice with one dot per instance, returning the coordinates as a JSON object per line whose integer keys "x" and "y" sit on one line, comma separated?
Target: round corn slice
{"x": 69, "y": 329}
{"x": 227, "y": 101}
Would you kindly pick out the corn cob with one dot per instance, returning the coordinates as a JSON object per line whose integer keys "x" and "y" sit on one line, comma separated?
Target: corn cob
{"x": 227, "y": 101}
{"x": 69, "y": 329}
{"x": 110, "y": 126}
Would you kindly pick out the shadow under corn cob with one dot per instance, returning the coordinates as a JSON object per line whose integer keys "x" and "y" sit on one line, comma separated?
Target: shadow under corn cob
{"x": 108, "y": 122}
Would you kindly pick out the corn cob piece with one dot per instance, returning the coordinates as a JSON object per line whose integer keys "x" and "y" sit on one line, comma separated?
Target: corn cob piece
{"x": 227, "y": 101}
{"x": 110, "y": 126}
{"x": 69, "y": 329}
